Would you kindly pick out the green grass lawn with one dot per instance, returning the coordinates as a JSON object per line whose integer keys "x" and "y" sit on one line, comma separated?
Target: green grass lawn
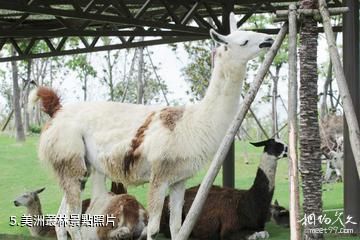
{"x": 21, "y": 171}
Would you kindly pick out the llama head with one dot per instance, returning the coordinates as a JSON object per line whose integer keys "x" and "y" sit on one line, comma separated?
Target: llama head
{"x": 28, "y": 198}
{"x": 279, "y": 214}
{"x": 273, "y": 147}
{"x": 240, "y": 46}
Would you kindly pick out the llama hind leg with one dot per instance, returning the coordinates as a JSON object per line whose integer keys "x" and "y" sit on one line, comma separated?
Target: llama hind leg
{"x": 70, "y": 172}
{"x": 177, "y": 192}
{"x": 156, "y": 202}
{"x": 61, "y": 233}
{"x": 73, "y": 206}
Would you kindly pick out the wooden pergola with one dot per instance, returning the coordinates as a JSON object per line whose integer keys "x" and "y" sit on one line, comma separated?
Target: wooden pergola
{"x": 136, "y": 23}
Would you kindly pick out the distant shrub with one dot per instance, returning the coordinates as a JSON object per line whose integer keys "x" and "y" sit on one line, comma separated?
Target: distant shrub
{"x": 35, "y": 129}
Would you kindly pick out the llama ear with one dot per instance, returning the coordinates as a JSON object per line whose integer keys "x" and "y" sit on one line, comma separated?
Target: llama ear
{"x": 217, "y": 37}
{"x": 40, "y": 190}
{"x": 260, "y": 144}
{"x": 232, "y": 22}
{"x": 276, "y": 203}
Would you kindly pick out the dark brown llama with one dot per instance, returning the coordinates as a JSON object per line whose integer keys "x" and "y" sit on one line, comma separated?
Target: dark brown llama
{"x": 236, "y": 214}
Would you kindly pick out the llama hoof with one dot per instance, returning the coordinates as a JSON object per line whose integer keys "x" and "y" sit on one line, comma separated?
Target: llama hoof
{"x": 259, "y": 235}
{"x": 143, "y": 234}
{"x": 263, "y": 235}
{"x": 153, "y": 236}
{"x": 120, "y": 233}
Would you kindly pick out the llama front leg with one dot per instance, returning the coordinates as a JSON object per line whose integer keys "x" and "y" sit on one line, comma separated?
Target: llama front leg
{"x": 156, "y": 202}
{"x": 177, "y": 192}
{"x": 60, "y": 229}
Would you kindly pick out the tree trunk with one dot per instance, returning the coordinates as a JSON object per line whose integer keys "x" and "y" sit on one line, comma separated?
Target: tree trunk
{"x": 310, "y": 162}
{"x": 26, "y": 98}
{"x": 140, "y": 95}
{"x": 274, "y": 102}
{"x": 323, "y": 108}
{"x": 85, "y": 87}
{"x": 20, "y": 134}
{"x": 110, "y": 80}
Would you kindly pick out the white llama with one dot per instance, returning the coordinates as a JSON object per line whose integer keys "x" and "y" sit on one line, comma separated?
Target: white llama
{"x": 134, "y": 144}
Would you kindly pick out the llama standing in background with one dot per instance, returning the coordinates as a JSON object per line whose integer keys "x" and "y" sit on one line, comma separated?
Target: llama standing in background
{"x": 134, "y": 144}
{"x": 236, "y": 214}
{"x": 31, "y": 201}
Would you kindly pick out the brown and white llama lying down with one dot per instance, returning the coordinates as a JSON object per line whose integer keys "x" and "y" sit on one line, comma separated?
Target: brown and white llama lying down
{"x": 129, "y": 223}
{"x": 134, "y": 144}
{"x": 130, "y": 216}
{"x": 236, "y": 214}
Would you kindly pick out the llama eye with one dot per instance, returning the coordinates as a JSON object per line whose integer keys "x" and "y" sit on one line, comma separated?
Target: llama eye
{"x": 246, "y": 42}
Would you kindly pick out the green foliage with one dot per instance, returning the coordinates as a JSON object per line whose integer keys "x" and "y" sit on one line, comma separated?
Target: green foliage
{"x": 82, "y": 66}
{"x": 198, "y": 71}
{"x": 35, "y": 129}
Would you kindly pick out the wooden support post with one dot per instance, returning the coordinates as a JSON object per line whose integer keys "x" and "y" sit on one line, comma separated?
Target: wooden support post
{"x": 349, "y": 110}
{"x": 351, "y": 57}
{"x": 295, "y": 231}
{"x": 229, "y": 164}
{"x": 219, "y": 157}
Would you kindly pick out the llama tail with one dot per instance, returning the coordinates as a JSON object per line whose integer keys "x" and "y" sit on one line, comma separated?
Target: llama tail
{"x": 50, "y": 100}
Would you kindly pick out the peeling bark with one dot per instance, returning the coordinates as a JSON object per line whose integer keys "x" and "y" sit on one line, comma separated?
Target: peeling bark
{"x": 310, "y": 162}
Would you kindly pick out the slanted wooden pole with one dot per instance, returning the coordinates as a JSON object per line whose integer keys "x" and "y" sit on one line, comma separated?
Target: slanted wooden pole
{"x": 220, "y": 155}
{"x": 349, "y": 110}
{"x": 295, "y": 230}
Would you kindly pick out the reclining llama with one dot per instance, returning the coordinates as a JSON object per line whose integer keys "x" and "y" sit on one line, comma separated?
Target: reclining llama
{"x": 134, "y": 144}
{"x": 129, "y": 217}
{"x": 279, "y": 215}
{"x": 31, "y": 201}
{"x": 236, "y": 214}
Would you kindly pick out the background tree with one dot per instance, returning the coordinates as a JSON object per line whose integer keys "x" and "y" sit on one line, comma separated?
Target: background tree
{"x": 19, "y": 133}
{"x": 111, "y": 60}
{"x": 84, "y": 70}
{"x": 153, "y": 86}
{"x": 279, "y": 61}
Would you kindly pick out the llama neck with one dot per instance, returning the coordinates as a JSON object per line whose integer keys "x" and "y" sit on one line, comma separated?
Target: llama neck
{"x": 35, "y": 210}
{"x": 265, "y": 176}
{"x": 222, "y": 97}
